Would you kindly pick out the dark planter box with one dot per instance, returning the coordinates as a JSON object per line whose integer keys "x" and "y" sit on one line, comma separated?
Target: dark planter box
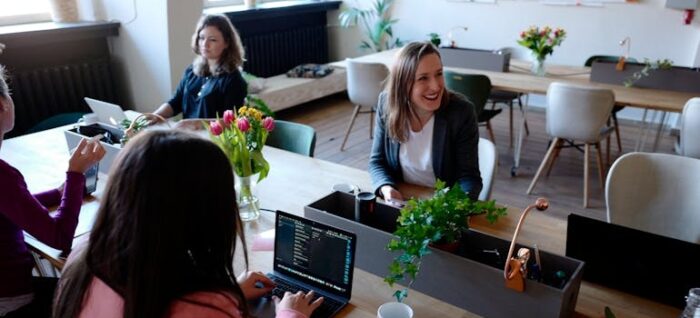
{"x": 73, "y": 136}
{"x": 680, "y": 79}
{"x": 497, "y": 61}
{"x": 472, "y": 280}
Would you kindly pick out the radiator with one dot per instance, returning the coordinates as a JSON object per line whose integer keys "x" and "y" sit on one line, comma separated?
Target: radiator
{"x": 42, "y": 93}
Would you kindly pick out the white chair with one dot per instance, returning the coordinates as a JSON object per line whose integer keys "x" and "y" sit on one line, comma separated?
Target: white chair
{"x": 488, "y": 160}
{"x": 365, "y": 81}
{"x": 576, "y": 113}
{"x": 690, "y": 129}
{"x": 657, "y": 193}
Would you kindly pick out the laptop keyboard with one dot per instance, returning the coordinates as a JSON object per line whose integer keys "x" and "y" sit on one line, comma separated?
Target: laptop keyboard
{"x": 327, "y": 308}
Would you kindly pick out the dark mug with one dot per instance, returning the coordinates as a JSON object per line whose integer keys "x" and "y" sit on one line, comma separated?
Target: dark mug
{"x": 364, "y": 207}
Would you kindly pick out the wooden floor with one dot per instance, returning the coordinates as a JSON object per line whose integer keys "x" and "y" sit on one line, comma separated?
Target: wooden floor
{"x": 564, "y": 187}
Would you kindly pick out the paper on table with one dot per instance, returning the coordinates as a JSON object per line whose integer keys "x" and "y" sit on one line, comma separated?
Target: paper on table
{"x": 264, "y": 241}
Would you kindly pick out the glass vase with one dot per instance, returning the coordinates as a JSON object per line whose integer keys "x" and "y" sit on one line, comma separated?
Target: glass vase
{"x": 538, "y": 65}
{"x": 248, "y": 205}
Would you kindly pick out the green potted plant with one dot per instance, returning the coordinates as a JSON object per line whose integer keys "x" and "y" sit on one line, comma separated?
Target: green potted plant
{"x": 376, "y": 22}
{"x": 649, "y": 67}
{"x": 435, "y": 39}
{"x": 438, "y": 221}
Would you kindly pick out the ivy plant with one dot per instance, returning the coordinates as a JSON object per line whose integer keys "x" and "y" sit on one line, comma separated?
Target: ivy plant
{"x": 649, "y": 66}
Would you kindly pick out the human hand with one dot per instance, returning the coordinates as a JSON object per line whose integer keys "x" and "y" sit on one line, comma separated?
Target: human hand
{"x": 300, "y": 302}
{"x": 391, "y": 195}
{"x": 86, "y": 155}
{"x": 190, "y": 124}
{"x": 254, "y": 284}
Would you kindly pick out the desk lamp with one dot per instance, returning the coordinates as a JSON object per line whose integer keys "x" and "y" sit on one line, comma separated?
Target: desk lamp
{"x": 515, "y": 270}
{"x": 627, "y": 42}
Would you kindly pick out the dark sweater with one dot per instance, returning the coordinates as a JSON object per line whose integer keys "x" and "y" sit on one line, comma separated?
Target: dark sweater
{"x": 20, "y": 210}
{"x": 205, "y": 97}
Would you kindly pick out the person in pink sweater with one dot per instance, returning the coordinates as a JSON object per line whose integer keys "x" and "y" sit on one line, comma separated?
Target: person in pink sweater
{"x": 22, "y": 295}
{"x": 164, "y": 240}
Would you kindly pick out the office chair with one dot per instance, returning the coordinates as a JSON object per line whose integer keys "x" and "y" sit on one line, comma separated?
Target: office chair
{"x": 294, "y": 137}
{"x": 476, "y": 88}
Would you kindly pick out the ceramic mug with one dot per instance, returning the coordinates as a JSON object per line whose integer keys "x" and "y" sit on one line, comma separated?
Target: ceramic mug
{"x": 394, "y": 310}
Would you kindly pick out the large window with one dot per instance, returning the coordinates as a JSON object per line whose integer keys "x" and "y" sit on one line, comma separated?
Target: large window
{"x": 23, "y": 11}
{"x": 218, "y": 3}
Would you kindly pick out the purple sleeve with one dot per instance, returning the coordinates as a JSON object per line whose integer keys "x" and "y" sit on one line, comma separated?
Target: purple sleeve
{"x": 27, "y": 212}
{"x": 48, "y": 198}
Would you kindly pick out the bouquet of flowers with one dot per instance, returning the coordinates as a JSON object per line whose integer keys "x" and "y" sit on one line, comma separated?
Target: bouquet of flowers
{"x": 541, "y": 41}
{"x": 242, "y": 138}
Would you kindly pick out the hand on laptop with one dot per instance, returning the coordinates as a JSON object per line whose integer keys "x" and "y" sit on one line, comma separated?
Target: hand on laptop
{"x": 303, "y": 303}
{"x": 254, "y": 284}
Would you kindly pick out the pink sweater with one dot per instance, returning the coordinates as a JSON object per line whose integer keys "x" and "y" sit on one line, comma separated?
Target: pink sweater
{"x": 102, "y": 301}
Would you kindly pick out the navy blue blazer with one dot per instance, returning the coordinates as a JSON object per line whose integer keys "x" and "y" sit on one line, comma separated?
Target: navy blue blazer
{"x": 455, "y": 148}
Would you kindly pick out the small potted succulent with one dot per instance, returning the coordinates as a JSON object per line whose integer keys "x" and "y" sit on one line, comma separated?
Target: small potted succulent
{"x": 439, "y": 222}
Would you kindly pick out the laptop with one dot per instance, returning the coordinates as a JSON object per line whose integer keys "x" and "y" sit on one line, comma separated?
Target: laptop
{"x": 314, "y": 256}
{"x": 107, "y": 113}
{"x": 652, "y": 266}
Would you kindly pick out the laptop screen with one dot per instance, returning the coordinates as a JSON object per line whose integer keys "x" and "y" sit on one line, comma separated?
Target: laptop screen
{"x": 314, "y": 253}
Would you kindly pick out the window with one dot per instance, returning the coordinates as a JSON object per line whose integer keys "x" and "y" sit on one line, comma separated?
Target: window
{"x": 23, "y": 11}
{"x": 219, "y": 3}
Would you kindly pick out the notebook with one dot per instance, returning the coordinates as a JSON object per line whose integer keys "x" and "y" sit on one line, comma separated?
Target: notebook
{"x": 310, "y": 256}
{"x": 107, "y": 113}
{"x": 652, "y": 266}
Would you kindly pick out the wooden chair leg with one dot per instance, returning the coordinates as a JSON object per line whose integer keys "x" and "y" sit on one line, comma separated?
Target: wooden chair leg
{"x": 352, "y": 122}
{"x": 617, "y": 133}
{"x": 601, "y": 170}
{"x": 585, "y": 175}
{"x": 554, "y": 158}
{"x": 543, "y": 164}
{"x": 488, "y": 127}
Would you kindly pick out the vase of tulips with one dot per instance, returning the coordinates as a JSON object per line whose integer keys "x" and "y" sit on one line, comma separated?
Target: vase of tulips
{"x": 242, "y": 136}
{"x": 541, "y": 42}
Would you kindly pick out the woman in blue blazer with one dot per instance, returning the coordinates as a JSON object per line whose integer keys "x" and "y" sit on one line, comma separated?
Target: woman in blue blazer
{"x": 424, "y": 132}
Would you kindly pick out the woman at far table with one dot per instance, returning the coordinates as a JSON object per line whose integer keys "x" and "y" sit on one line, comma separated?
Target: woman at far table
{"x": 213, "y": 82}
{"x": 22, "y": 295}
{"x": 424, "y": 132}
{"x": 152, "y": 254}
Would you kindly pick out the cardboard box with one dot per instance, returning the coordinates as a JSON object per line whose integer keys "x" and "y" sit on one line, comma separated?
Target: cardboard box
{"x": 473, "y": 280}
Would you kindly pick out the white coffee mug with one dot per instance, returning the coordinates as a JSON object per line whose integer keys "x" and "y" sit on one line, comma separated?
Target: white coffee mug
{"x": 394, "y": 310}
{"x": 89, "y": 119}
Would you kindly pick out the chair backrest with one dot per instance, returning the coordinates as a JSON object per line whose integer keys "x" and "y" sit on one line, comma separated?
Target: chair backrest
{"x": 607, "y": 58}
{"x": 690, "y": 128}
{"x": 56, "y": 121}
{"x": 577, "y": 112}
{"x": 488, "y": 159}
{"x": 475, "y": 87}
{"x": 365, "y": 82}
{"x": 657, "y": 193}
{"x": 294, "y": 137}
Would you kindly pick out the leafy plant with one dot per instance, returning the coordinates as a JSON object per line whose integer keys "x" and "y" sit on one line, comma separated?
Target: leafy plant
{"x": 425, "y": 221}
{"x": 377, "y": 24}
{"x": 435, "y": 38}
{"x": 141, "y": 123}
{"x": 649, "y": 66}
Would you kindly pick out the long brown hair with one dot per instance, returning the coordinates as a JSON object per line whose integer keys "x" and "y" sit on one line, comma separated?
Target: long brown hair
{"x": 166, "y": 227}
{"x": 399, "y": 112}
{"x": 231, "y": 58}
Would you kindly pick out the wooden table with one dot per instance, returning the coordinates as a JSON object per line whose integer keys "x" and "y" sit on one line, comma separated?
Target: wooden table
{"x": 41, "y": 158}
{"x": 520, "y": 80}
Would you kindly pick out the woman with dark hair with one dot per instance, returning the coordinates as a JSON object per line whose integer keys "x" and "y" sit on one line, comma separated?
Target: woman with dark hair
{"x": 152, "y": 254}
{"x": 424, "y": 132}
{"x": 213, "y": 83}
{"x": 22, "y": 295}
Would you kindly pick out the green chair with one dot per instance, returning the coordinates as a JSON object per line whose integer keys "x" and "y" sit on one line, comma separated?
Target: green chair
{"x": 477, "y": 89}
{"x": 613, "y": 114}
{"x": 56, "y": 121}
{"x": 297, "y": 138}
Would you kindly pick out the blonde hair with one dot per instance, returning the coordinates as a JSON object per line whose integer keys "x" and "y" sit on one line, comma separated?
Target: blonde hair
{"x": 231, "y": 58}
{"x": 399, "y": 112}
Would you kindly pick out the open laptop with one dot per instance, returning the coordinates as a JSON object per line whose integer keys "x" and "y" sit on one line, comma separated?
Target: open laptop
{"x": 107, "y": 113}
{"x": 310, "y": 256}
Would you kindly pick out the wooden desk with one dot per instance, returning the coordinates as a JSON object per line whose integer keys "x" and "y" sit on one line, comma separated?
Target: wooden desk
{"x": 520, "y": 80}
{"x": 35, "y": 156}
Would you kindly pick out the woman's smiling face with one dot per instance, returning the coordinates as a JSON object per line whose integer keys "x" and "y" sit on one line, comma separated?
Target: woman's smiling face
{"x": 428, "y": 84}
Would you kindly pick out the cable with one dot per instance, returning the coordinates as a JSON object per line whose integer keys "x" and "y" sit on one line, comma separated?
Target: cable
{"x": 268, "y": 210}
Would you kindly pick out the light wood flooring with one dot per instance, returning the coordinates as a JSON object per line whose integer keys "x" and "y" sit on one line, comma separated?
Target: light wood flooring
{"x": 564, "y": 187}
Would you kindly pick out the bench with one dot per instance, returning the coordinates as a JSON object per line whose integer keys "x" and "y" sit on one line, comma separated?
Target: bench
{"x": 282, "y": 92}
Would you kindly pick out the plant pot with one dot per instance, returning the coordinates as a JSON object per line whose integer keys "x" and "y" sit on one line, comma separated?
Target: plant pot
{"x": 394, "y": 310}
{"x": 64, "y": 10}
{"x": 451, "y": 247}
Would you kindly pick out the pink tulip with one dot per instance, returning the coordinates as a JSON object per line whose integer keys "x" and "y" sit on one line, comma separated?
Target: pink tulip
{"x": 268, "y": 123}
{"x": 215, "y": 128}
{"x": 229, "y": 117}
{"x": 243, "y": 124}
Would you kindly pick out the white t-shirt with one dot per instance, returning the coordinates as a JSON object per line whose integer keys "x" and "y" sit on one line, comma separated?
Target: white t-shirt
{"x": 416, "y": 156}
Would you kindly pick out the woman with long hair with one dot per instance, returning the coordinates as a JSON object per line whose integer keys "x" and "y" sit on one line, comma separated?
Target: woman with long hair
{"x": 164, "y": 239}
{"x": 22, "y": 295}
{"x": 213, "y": 83}
{"x": 424, "y": 132}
